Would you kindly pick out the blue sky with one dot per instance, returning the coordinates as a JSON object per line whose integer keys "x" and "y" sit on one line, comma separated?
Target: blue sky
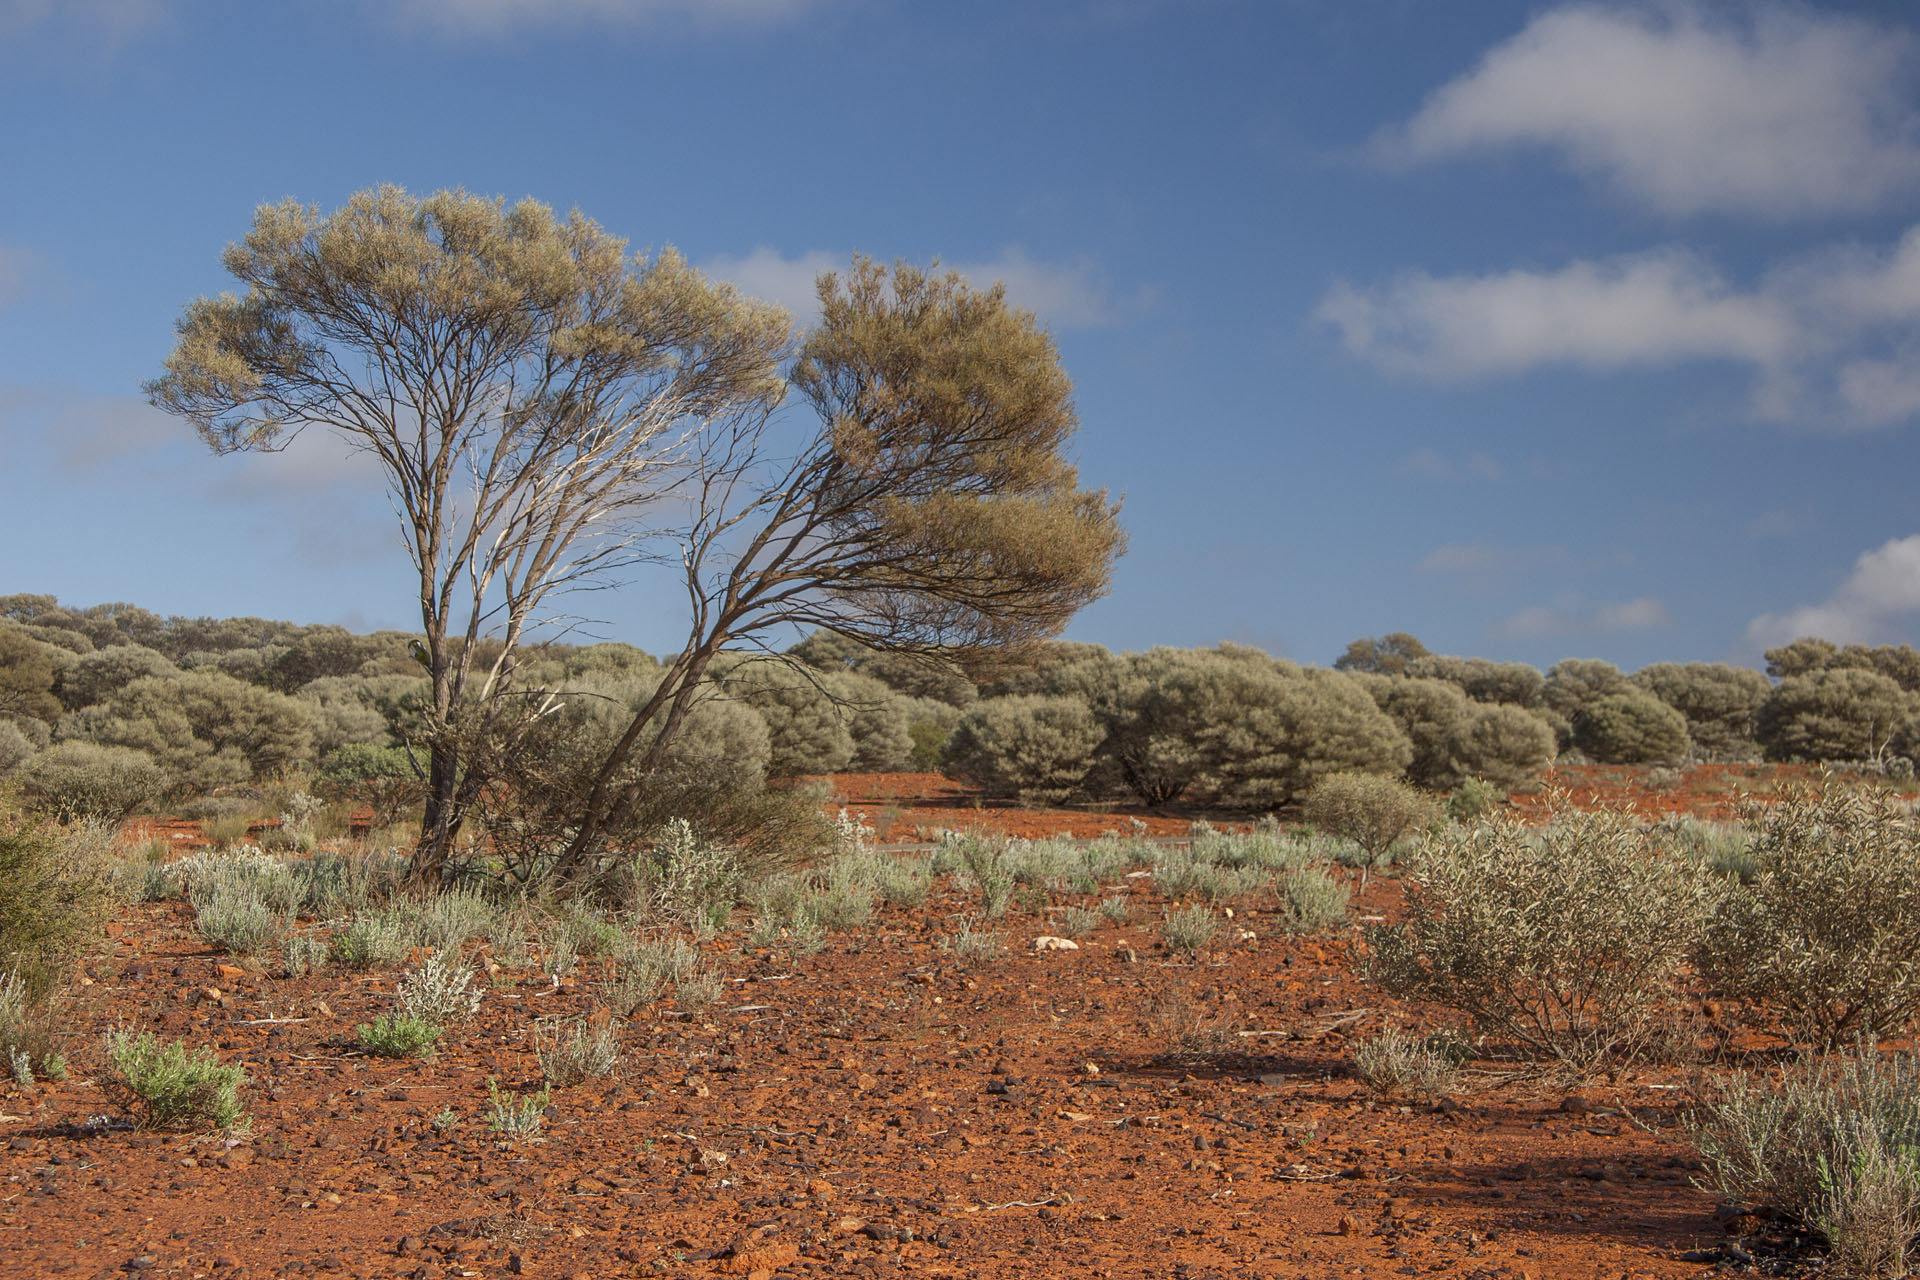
{"x": 1535, "y": 330}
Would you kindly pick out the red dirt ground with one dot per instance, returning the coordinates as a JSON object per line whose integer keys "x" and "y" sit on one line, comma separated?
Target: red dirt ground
{"x": 878, "y": 1109}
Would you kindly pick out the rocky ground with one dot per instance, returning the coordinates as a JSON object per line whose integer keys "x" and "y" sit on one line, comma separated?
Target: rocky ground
{"x": 882, "y": 1107}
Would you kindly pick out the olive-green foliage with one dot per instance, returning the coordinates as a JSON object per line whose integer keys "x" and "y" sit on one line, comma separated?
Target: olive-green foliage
{"x": 1823, "y": 931}
{"x": 1831, "y": 1143}
{"x": 807, "y": 730}
{"x": 1483, "y": 680}
{"x": 1633, "y": 727}
{"x": 1806, "y": 656}
{"x": 1386, "y": 655}
{"x": 15, "y": 747}
{"x": 27, "y": 675}
{"x": 1281, "y": 731}
{"x": 95, "y": 677}
{"x": 1502, "y": 745}
{"x": 1433, "y": 714}
{"x": 55, "y": 891}
{"x": 713, "y": 775}
{"x": 1374, "y": 812}
{"x": 1055, "y": 667}
{"x": 176, "y": 1088}
{"x": 385, "y": 779}
{"x": 395, "y": 1035}
{"x": 929, "y": 725}
{"x": 205, "y": 729}
{"x": 920, "y": 676}
{"x": 1472, "y": 799}
{"x": 361, "y": 709}
{"x": 1573, "y": 684}
{"x": 1838, "y": 713}
{"x": 1568, "y": 940}
{"x": 1156, "y": 707}
{"x": 879, "y": 720}
{"x": 1311, "y": 901}
{"x": 82, "y": 780}
{"x": 1803, "y": 657}
{"x": 1720, "y": 703}
{"x": 1036, "y": 748}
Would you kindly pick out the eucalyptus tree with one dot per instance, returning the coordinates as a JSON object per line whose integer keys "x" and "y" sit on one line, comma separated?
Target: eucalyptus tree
{"x": 925, "y": 506}
{"x": 526, "y": 386}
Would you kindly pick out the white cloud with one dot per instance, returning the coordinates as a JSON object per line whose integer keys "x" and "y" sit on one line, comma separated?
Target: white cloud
{"x": 1832, "y": 336}
{"x": 1066, "y": 296}
{"x": 1881, "y": 391}
{"x": 1571, "y": 614}
{"x": 1884, "y": 585}
{"x": 767, "y": 275}
{"x": 1640, "y": 309}
{"x": 495, "y": 17}
{"x": 1763, "y": 109}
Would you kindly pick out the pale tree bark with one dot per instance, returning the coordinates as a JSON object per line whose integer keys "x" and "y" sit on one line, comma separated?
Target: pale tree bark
{"x": 928, "y": 510}
{"x": 527, "y": 388}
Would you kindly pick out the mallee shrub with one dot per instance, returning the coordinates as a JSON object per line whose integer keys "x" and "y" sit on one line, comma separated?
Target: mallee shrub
{"x": 1567, "y": 941}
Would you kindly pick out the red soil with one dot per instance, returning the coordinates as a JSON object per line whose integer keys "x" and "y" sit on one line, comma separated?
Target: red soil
{"x": 879, "y": 1108}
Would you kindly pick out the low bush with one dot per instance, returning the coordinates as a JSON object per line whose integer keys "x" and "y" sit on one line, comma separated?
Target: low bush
{"x": 396, "y": 1035}
{"x": 238, "y": 921}
{"x": 56, "y": 889}
{"x": 377, "y": 939}
{"x": 686, "y": 878}
{"x": 1567, "y": 941}
{"x": 1034, "y": 748}
{"x": 29, "y": 1026}
{"x": 1823, "y": 929}
{"x": 303, "y": 955}
{"x": 587, "y": 1049}
{"x": 85, "y": 781}
{"x": 1473, "y": 799}
{"x": 1189, "y": 929}
{"x": 1311, "y": 901}
{"x": 439, "y": 991}
{"x": 973, "y": 944}
{"x": 699, "y": 990}
{"x": 512, "y": 1116}
{"x": 1396, "y": 1065}
{"x": 175, "y": 1088}
{"x": 1835, "y": 1145}
{"x": 1373, "y": 811}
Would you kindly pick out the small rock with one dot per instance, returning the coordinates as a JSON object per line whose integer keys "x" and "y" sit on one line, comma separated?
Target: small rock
{"x": 229, "y": 973}
{"x": 1349, "y": 1225}
{"x": 1047, "y": 942}
{"x": 767, "y": 1257}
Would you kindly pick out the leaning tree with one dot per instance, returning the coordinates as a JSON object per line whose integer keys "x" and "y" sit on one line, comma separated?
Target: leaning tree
{"x": 925, "y": 506}
{"x": 527, "y": 387}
